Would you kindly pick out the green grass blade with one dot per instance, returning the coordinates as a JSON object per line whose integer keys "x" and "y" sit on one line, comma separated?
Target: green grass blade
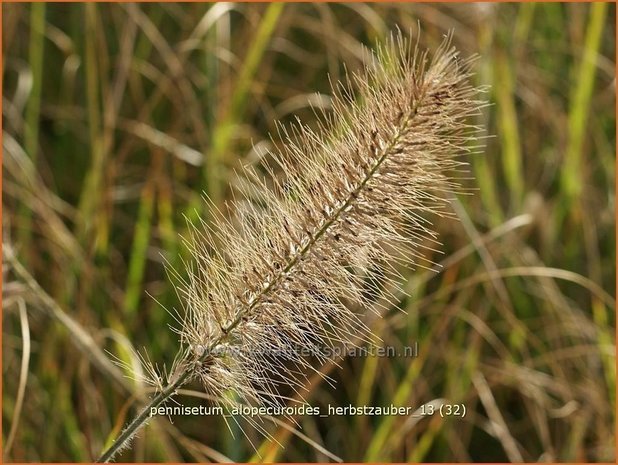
{"x": 222, "y": 134}
{"x": 141, "y": 239}
{"x": 508, "y": 128}
{"x": 572, "y": 180}
{"x": 33, "y": 106}
{"x": 90, "y": 199}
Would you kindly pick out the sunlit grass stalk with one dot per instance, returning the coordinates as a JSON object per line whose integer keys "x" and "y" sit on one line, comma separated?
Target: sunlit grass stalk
{"x": 573, "y": 169}
{"x": 223, "y": 132}
{"x": 523, "y": 24}
{"x": 141, "y": 240}
{"x": 483, "y": 168}
{"x": 508, "y": 128}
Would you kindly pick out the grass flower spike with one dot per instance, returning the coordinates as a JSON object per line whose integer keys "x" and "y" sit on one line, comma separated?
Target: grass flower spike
{"x": 355, "y": 198}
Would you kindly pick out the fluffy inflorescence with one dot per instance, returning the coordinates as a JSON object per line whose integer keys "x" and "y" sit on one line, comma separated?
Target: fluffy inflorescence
{"x": 278, "y": 281}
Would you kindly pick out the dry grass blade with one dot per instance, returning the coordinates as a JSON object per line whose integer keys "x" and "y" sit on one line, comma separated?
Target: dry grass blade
{"x": 498, "y": 424}
{"x": 23, "y": 376}
{"x": 79, "y": 335}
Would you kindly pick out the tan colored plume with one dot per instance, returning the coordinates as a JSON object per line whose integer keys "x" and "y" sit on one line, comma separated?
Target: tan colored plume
{"x": 356, "y": 197}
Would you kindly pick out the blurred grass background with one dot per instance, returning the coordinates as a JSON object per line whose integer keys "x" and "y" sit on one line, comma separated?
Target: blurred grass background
{"x": 117, "y": 117}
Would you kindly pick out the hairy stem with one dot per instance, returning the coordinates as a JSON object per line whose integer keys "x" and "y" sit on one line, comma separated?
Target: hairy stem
{"x": 140, "y": 420}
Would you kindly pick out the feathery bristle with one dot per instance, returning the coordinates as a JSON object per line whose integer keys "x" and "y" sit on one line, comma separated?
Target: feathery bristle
{"x": 355, "y": 198}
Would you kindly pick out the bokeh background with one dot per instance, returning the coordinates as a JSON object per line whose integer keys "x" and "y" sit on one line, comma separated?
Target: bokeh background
{"x": 116, "y": 117}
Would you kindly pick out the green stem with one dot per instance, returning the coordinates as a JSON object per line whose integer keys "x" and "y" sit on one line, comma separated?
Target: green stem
{"x": 140, "y": 420}
{"x": 224, "y": 131}
{"x": 33, "y": 109}
{"x": 572, "y": 178}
